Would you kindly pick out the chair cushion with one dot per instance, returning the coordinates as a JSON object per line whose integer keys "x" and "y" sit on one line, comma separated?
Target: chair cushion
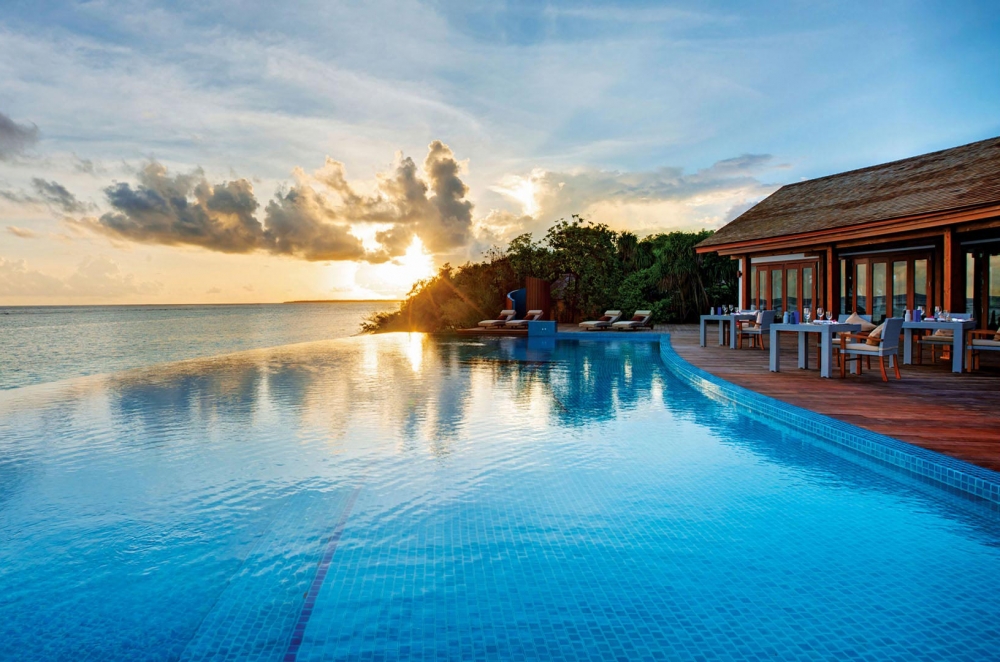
{"x": 947, "y": 333}
{"x": 983, "y": 342}
{"x": 997, "y": 336}
{"x": 760, "y": 318}
{"x": 862, "y": 347}
{"x": 866, "y": 326}
{"x": 875, "y": 337}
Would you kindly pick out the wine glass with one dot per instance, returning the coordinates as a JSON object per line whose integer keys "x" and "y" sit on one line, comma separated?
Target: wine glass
{"x": 819, "y": 314}
{"x": 829, "y": 315}
{"x": 807, "y": 314}
{"x": 937, "y": 312}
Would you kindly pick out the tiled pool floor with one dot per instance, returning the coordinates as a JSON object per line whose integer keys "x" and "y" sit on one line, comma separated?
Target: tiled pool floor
{"x": 465, "y": 500}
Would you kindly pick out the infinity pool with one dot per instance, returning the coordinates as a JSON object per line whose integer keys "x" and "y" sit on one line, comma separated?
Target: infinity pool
{"x": 402, "y": 497}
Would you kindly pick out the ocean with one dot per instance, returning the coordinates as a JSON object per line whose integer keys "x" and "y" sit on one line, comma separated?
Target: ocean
{"x": 51, "y": 343}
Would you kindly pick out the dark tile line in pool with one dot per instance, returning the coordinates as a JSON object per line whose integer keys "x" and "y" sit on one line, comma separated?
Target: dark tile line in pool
{"x": 945, "y": 471}
{"x": 321, "y": 571}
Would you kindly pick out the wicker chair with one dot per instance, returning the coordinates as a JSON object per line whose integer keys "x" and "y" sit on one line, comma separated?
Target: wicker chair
{"x": 980, "y": 340}
{"x": 755, "y": 331}
{"x": 944, "y": 340}
{"x": 888, "y": 345}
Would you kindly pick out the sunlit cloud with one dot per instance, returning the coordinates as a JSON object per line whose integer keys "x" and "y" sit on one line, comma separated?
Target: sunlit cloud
{"x": 320, "y": 217}
{"x": 96, "y": 277}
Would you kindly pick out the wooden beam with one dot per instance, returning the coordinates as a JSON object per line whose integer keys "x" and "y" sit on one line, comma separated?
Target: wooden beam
{"x": 746, "y": 284}
{"x": 831, "y": 299}
{"x": 954, "y": 274}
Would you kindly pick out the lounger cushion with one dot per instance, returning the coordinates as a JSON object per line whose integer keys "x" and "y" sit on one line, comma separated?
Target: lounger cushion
{"x": 875, "y": 337}
{"x": 866, "y": 326}
{"x": 606, "y": 318}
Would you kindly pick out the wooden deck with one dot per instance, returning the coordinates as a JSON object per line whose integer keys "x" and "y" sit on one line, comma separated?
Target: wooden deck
{"x": 958, "y": 415}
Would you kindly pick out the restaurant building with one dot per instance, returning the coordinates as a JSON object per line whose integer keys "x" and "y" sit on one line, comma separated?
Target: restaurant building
{"x": 923, "y": 231}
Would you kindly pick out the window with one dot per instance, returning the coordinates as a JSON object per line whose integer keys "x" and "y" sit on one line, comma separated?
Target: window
{"x": 920, "y": 284}
{"x": 899, "y": 301}
{"x": 753, "y": 286}
{"x": 844, "y": 299}
{"x": 763, "y": 289}
{"x": 777, "y": 301}
{"x": 970, "y": 283}
{"x": 993, "y": 302}
{"x": 861, "y": 285}
{"x": 792, "y": 295}
{"x": 878, "y": 292}
{"x": 807, "y": 288}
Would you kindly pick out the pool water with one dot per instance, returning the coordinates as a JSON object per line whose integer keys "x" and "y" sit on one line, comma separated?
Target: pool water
{"x": 405, "y": 497}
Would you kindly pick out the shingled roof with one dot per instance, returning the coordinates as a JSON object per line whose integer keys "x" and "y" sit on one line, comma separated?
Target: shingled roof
{"x": 956, "y": 178}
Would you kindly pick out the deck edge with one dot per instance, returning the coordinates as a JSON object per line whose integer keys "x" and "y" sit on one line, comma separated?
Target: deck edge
{"x": 933, "y": 467}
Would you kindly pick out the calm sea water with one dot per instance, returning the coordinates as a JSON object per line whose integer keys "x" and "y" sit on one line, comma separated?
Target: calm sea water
{"x": 401, "y": 497}
{"x": 49, "y": 343}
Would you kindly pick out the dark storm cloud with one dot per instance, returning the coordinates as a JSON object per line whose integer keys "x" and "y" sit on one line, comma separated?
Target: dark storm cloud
{"x": 310, "y": 220}
{"x": 15, "y": 138}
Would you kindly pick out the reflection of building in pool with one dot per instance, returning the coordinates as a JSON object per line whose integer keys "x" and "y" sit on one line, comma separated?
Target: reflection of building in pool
{"x": 923, "y": 231}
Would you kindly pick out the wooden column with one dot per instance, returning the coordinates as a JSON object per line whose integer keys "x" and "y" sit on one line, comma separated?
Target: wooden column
{"x": 831, "y": 289}
{"x": 746, "y": 284}
{"x": 954, "y": 274}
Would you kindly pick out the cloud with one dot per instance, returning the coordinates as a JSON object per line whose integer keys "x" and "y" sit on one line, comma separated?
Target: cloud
{"x": 102, "y": 277}
{"x": 56, "y": 195}
{"x": 23, "y": 233}
{"x": 641, "y": 201}
{"x": 94, "y": 277}
{"x": 15, "y": 139}
{"x": 17, "y": 280}
{"x": 312, "y": 219}
{"x": 50, "y": 193}
{"x": 183, "y": 209}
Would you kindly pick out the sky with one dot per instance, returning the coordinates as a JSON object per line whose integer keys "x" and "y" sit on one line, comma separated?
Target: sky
{"x": 249, "y": 151}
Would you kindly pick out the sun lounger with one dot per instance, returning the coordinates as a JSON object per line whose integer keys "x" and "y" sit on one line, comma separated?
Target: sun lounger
{"x": 640, "y": 320}
{"x": 505, "y": 316}
{"x": 610, "y": 317}
{"x": 532, "y": 316}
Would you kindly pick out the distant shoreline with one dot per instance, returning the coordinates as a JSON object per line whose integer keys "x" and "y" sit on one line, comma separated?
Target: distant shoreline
{"x": 345, "y": 301}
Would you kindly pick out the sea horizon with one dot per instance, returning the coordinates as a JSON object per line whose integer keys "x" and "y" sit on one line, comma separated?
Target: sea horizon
{"x": 40, "y": 344}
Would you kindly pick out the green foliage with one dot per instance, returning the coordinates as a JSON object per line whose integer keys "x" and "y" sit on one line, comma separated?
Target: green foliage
{"x": 592, "y": 268}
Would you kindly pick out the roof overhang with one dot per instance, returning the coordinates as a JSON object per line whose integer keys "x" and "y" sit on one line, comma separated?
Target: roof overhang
{"x": 867, "y": 230}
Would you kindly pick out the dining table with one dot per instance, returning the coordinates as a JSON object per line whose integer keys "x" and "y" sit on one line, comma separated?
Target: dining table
{"x": 824, "y": 330}
{"x": 728, "y": 318}
{"x": 958, "y": 327}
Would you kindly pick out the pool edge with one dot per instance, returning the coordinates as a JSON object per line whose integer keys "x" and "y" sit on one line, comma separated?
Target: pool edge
{"x": 943, "y": 470}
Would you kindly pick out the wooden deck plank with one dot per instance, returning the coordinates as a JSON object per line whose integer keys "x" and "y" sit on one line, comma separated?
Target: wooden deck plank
{"x": 930, "y": 407}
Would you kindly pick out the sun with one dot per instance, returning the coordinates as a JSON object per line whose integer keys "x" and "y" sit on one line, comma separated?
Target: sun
{"x": 415, "y": 264}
